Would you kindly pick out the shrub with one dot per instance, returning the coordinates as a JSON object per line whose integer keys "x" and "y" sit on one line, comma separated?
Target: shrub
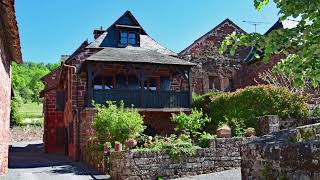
{"x": 176, "y": 147}
{"x": 315, "y": 112}
{"x": 190, "y": 123}
{"x": 114, "y": 123}
{"x": 15, "y": 116}
{"x": 240, "y": 109}
{"x": 205, "y": 138}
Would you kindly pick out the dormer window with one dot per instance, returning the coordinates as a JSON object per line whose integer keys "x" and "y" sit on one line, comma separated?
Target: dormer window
{"x": 128, "y": 38}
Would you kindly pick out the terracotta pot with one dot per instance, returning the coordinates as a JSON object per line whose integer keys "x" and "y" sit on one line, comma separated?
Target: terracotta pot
{"x": 131, "y": 143}
{"x": 223, "y": 132}
{"x": 250, "y": 132}
{"x": 118, "y": 147}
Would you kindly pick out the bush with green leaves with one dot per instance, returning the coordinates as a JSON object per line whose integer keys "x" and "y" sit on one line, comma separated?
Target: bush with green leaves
{"x": 205, "y": 138}
{"x": 176, "y": 147}
{"x": 113, "y": 123}
{"x": 190, "y": 123}
{"x": 240, "y": 109}
{"x": 315, "y": 112}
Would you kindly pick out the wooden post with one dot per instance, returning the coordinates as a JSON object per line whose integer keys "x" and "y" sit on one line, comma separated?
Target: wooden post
{"x": 90, "y": 84}
{"x": 190, "y": 85}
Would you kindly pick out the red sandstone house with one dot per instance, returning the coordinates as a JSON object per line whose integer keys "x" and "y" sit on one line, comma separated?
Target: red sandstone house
{"x": 216, "y": 72}
{"x": 9, "y": 51}
{"x": 122, "y": 63}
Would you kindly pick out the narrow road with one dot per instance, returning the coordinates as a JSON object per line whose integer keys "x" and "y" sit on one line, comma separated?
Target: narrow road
{"x": 28, "y": 162}
{"x": 233, "y": 174}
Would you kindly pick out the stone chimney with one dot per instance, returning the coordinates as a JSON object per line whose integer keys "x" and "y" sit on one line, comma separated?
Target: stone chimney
{"x": 98, "y": 32}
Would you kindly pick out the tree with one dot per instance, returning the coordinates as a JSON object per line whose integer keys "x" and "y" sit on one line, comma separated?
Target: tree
{"x": 300, "y": 44}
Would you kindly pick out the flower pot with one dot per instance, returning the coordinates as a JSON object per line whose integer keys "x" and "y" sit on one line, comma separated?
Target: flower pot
{"x": 118, "y": 147}
{"x": 131, "y": 143}
{"x": 224, "y": 132}
{"x": 250, "y": 132}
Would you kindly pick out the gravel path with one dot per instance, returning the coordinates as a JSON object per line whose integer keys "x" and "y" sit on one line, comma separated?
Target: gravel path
{"x": 234, "y": 174}
{"x": 26, "y": 133}
{"x": 28, "y": 162}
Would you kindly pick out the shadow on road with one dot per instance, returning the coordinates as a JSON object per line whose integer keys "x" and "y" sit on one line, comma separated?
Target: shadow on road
{"x": 30, "y": 158}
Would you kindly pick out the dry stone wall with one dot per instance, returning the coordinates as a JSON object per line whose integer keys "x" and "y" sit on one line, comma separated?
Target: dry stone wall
{"x": 223, "y": 154}
{"x": 287, "y": 154}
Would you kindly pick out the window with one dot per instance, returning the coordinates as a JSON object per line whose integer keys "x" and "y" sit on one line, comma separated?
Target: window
{"x": 97, "y": 83}
{"x": 109, "y": 83}
{"x": 133, "y": 82}
{"x": 128, "y": 38}
{"x": 165, "y": 83}
{"x": 132, "y": 39}
{"x": 60, "y": 101}
{"x": 124, "y": 38}
{"x": 121, "y": 82}
{"x": 211, "y": 82}
{"x": 152, "y": 84}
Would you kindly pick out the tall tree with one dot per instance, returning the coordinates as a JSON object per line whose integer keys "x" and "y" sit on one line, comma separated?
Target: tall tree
{"x": 301, "y": 44}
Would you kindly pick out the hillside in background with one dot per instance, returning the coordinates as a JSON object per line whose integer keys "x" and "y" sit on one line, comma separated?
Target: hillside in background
{"x": 27, "y": 86}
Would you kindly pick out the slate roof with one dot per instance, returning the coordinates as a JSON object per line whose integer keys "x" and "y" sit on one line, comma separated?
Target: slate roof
{"x": 9, "y": 29}
{"x": 136, "y": 55}
{"x": 145, "y": 42}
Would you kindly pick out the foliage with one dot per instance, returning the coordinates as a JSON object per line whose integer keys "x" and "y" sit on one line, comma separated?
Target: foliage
{"x": 237, "y": 125}
{"x": 15, "y": 117}
{"x": 205, "y": 138}
{"x": 190, "y": 123}
{"x": 240, "y": 109}
{"x": 315, "y": 112}
{"x": 38, "y": 123}
{"x": 114, "y": 123}
{"x": 26, "y": 79}
{"x": 176, "y": 147}
{"x": 300, "y": 44}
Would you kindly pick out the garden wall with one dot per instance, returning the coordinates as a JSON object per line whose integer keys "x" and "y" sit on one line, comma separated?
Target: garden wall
{"x": 223, "y": 154}
{"x": 287, "y": 154}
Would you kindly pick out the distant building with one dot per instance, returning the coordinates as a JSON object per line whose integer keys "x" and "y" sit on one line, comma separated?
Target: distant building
{"x": 217, "y": 72}
{"x": 122, "y": 63}
{"x": 9, "y": 51}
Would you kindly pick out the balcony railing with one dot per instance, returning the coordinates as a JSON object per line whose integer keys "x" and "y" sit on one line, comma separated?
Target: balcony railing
{"x": 147, "y": 99}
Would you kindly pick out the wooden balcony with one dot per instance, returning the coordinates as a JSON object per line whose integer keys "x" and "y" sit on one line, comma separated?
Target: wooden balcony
{"x": 144, "y": 99}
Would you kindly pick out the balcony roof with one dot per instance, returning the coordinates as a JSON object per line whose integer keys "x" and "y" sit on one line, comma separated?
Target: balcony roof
{"x": 136, "y": 55}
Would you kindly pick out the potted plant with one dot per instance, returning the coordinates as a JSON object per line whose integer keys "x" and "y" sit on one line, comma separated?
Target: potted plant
{"x": 131, "y": 143}
{"x": 249, "y": 132}
{"x": 107, "y": 147}
{"x": 117, "y": 146}
{"x": 224, "y": 131}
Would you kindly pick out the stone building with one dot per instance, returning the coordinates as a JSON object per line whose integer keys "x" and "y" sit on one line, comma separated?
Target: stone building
{"x": 9, "y": 51}
{"x": 222, "y": 72}
{"x": 122, "y": 63}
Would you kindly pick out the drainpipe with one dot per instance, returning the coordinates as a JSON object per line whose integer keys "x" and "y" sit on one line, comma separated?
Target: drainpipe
{"x": 76, "y": 111}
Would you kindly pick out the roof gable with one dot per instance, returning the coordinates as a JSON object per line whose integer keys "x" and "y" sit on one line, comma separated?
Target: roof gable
{"x": 127, "y": 19}
{"x": 205, "y": 36}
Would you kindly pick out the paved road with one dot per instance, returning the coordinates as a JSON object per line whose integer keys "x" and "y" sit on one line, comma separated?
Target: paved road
{"x": 28, "y": 162}
{"x": 234, "y": 174}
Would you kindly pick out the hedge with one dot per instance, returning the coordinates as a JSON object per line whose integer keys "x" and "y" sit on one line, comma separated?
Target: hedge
{"x": 240, "y": 109}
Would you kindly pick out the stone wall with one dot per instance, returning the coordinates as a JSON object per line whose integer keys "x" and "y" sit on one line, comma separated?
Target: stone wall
{"x": 223, "y": 154}
{"x": 272, "y": 123}
{"x": 287, "y": 154}
{"x": 5, "y": 98}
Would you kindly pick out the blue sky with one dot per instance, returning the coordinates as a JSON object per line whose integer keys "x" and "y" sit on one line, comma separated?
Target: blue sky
{"x": 50, "y": 28}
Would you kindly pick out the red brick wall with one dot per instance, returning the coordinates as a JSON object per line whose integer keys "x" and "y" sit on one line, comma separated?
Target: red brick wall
{"x": 5, "y": 99}
{"x": 53, "y": 122}
{"x": 211, "y": 64}
{"x": 248, "y": 75}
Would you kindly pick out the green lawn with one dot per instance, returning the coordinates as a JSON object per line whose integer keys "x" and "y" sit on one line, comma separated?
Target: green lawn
{"x": 31, "y": 110}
